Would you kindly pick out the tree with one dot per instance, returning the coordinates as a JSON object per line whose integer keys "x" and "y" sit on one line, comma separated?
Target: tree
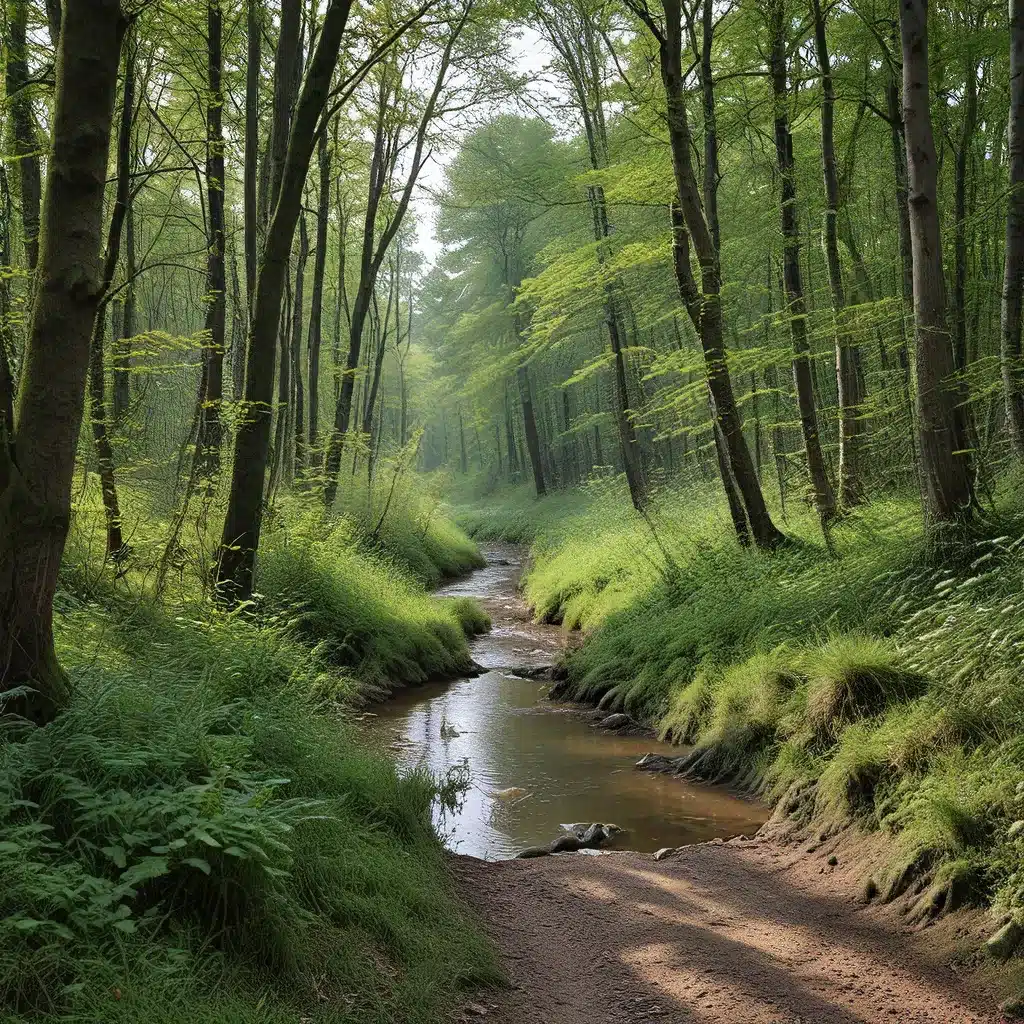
{"x": 37, "y": 467}
{"x": 1013, "y": 266}
{"x": 571, "y": 26}
{"x": 704, "y": 306}
{"x": 945, "y": 456}
{"x": 850, "y": 428}
{"x": 244, "y": 517}
{"x": 796, "y": 305}
{"x": 391, "y": 93}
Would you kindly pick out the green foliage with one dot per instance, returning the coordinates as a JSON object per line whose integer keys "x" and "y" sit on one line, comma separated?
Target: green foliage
{"x": 202, "y": 836}
{"x": 887, "y": 686}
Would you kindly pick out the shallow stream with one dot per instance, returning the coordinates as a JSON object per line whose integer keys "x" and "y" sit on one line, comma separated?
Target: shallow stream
{"x": 535, "y": 765}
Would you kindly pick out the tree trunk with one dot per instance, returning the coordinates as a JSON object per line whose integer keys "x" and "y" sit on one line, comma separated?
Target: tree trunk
{"x": 101, "y": 440}
{"x": 704, "y": 306}
{"x": 530, "y": 427}
{"x": 945, "y": 458}
{"x": 316, "y": 309}
{"x": 244, "y": 516}
{"x": 35, "y": 483}
{"x": 252, "y": 146}
{"x": 824, "y": 498}
{"x": 961, "y": 167}
{"x": 1013, "y": 269}
{"x": 23, "y": 128}
{"x": 208, "y": 445}
{"x": 122, "y": 354}
{"x": 375, "y": 249}
{"x": 296, "y": 350}
{"x": 847, "y": 379}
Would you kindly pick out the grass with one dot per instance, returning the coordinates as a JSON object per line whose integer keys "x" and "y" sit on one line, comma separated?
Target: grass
{"x": 202, "y": 836}
{"x": 882, "y": 685}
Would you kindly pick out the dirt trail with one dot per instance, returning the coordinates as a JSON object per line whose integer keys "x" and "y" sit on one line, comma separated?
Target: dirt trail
{"x": 746, "y": 932}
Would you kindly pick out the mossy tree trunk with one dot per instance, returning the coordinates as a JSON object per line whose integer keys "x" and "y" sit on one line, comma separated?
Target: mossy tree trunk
{"x": 36, "y": 470}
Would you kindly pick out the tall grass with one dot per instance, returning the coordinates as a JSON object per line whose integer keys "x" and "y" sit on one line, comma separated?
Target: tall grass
{"x": 882, "y": 684}
{"x": 202, "y": 836}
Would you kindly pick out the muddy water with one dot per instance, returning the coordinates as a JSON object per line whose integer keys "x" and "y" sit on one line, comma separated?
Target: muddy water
{"x": 536, "y": 766}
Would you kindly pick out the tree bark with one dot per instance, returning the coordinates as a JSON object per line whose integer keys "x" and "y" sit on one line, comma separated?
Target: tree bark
{"x": 244, "y": 517}
{"x": 847, "y": 379}
{"x": 208, "y": 445}
{"x": 961, "y": 166}
{"x": 252, "y": 146}
{"x": 1013, "y": 268}
{"x": 36, "y": 472}
{"x": 298, "y": 310}
{"x": 23, "y": 128}
{"x": 945, "y": 458}
{"x": 316, "y": 307}
{"x": 530, "y": 428}
{"x": 824, "y": 499}
{"x": 122, "y": 353}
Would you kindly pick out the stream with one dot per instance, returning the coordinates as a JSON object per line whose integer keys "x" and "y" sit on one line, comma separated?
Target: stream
{"x": 536, "y": 766}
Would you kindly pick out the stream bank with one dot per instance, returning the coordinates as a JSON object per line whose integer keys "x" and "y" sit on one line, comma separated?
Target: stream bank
{"x": 536, "y": 767}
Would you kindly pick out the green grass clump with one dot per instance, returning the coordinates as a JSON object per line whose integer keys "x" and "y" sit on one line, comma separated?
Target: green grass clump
{"x": 853, "y": 677}
{"x": 199, "y": 837}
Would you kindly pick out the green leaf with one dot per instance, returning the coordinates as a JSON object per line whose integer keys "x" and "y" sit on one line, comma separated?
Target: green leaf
{"x": 203, "y": 836}
{"x": 198, "y": 862}
{"x": 146, "y": 869}
{"x": 117, "y": 855}
{"x": 126, "y": 925}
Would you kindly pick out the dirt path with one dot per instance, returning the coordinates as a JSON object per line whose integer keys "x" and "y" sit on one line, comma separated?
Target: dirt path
{"x": 747, "y": 932}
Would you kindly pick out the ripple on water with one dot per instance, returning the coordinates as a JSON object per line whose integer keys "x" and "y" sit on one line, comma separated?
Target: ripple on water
{"x": 533, "y": 768}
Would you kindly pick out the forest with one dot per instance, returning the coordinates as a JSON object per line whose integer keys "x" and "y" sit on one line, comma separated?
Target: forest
{"x": 705, "y": 316}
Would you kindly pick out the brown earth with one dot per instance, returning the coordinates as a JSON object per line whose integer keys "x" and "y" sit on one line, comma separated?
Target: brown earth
{"x": 747, "y": 932}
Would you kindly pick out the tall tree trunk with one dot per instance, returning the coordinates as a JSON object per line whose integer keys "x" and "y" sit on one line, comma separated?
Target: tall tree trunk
{"x": 287, "y": 69}
{"x": 296, "y": 369}
{"x": 530, "y": 428}
{"x": 968, "y": 130}
{"x": 252, "y": 147}
{"x": 316, "y": 308}
{"x": 244, "y": 517}
{"x": 122, "y": 353}
{"x": 824, "y": 499}
{"x": 945, "y": 458}
{"x": 847, "y": 379}
{"x": 101, "y": 440}
{"x": 1013, "y": 269}
{"x": 23, "y": 128}
{"x": 375, "y": 249}
{"x": 36, "y": 472}
{"x": 208, "y": 445}
{"x": 97, "y": 379}
{"x": 704, "y": 306}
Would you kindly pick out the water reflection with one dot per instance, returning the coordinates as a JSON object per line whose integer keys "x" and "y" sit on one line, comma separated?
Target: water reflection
{"x": 534, "y": 766}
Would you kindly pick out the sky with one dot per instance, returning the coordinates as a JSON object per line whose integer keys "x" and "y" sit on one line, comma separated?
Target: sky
{"x": 529, "y": 54}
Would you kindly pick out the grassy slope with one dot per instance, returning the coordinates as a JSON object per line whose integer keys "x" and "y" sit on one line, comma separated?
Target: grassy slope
{"x": 201, "y": 837}
{"x": 875, "y": 686}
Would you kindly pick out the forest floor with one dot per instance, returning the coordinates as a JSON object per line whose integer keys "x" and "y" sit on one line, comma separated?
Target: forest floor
{"x": 750, "y": 931}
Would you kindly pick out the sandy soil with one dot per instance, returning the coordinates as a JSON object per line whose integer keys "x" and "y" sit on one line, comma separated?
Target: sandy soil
{"x": 747, "y": 932}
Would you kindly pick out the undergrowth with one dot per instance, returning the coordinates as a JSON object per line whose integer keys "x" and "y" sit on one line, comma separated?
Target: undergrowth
{"x": 202, "y": 836}
{"x": 880, "y": 685}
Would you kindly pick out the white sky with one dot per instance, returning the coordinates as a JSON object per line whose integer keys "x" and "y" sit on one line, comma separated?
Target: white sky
{"x": 529, "y": 54}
